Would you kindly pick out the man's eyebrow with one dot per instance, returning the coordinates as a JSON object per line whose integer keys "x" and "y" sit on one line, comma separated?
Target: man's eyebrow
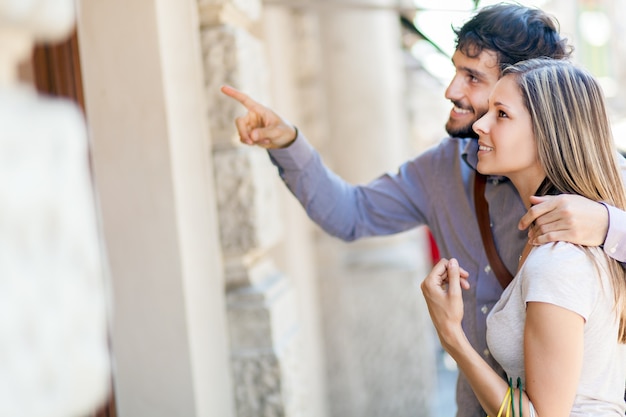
{"x": 473, "y": 72}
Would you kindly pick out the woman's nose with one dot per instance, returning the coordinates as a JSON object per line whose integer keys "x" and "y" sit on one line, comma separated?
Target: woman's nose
{"x": 480, "y": 125}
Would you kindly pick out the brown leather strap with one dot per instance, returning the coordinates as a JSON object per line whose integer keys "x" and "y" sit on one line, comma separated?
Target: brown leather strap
{"x": 482, "y": 215}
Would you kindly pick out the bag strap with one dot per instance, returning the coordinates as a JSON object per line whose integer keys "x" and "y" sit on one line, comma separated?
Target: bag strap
{"x": 482, "y": 215}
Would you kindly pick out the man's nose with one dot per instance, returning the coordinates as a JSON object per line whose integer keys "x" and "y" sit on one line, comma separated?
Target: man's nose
{"x": 454, "y": 90}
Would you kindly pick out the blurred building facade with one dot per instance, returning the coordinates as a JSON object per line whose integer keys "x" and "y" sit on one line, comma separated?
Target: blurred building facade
{"x": 228, "y": 301}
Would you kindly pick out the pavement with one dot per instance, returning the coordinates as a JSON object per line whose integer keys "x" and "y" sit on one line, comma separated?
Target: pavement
{"x": 445, "y": 404}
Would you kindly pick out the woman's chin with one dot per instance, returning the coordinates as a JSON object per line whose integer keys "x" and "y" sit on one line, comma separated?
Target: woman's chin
{"x": 483, "y": 168}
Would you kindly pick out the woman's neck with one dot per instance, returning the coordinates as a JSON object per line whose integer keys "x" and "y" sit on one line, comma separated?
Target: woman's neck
{"x": 527, "y": 186}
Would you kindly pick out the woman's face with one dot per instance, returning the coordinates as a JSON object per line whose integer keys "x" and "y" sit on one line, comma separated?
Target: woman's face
{"x": 505, "y": 135}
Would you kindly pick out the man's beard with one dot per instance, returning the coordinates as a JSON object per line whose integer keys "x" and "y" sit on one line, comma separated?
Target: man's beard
{"x": 461, "y": 132}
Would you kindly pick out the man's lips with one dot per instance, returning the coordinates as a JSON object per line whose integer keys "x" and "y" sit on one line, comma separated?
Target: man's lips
{"x": 459, "y": 110}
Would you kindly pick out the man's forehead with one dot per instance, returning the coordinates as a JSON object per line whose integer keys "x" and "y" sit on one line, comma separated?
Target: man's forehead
{"x": 485, "y": 55}
{"x": 485, "y": 62}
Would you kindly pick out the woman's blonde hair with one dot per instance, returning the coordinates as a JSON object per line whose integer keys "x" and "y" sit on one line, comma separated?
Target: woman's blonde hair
{"x": 575, "y": 143}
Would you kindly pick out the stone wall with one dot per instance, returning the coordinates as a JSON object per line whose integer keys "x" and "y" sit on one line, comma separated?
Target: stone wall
{"x": 339, "y": 76}
{"x": 262, "y": 319}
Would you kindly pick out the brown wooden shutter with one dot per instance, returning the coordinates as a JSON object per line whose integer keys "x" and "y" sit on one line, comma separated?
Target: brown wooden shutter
{"x": 56, "y": 70}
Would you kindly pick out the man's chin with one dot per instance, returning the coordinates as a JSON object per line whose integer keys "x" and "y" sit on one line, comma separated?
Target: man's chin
{"x": 460, "y": 131}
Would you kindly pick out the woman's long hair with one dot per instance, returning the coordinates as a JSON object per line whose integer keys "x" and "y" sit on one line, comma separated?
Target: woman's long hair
{"x": 575, "y": 143}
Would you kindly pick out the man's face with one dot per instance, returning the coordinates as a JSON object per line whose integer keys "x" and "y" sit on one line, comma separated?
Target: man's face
{"x": 469, "y": 90}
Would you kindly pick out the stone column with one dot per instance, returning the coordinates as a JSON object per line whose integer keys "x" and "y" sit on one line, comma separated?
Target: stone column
{"x": 292, "y": 45}
{"x": 265, "y": 331}
{"x": 143, "y": 81}
{"x": 378, "y": 339}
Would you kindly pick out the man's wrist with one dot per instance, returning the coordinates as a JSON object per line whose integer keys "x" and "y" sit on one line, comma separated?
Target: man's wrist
{"x": 288, "y": 144}
{"x": 608, "y": 223}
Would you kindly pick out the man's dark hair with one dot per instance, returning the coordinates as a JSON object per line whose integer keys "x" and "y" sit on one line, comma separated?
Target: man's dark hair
{"x": 514, "y": 32}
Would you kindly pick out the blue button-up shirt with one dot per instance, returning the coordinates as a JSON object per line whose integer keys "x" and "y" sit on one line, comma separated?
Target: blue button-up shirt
{"x": 433, "y": 189}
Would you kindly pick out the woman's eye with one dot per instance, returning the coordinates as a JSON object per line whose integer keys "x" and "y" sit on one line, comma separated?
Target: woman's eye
{"x": 502, "y": 114}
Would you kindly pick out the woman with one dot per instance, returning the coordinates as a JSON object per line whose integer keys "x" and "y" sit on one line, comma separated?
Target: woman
{"x": 558, "y": 329}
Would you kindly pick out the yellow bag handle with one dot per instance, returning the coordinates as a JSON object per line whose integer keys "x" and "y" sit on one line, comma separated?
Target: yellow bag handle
{"x": 505, "y": 400}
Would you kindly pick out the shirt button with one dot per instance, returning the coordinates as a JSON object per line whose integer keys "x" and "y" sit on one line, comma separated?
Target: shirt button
{"x": 486, "y": 353}
{"x": 495, "y": 181}
{"x": 613, "y": 249}
{"x": 484, "y": 309}
{"x": 488, "y": 269}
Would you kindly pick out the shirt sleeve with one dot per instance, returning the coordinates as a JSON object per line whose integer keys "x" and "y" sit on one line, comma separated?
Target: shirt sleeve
{"x": 388, "y": 204}
{"x": 561, "y": 274}
{"x": 615, "y": 241}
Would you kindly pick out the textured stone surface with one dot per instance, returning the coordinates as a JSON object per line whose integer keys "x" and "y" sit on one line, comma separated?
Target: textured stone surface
{"x": 265, "y": 349}
{"x": 231, "y": 56}
{"x": 261, "y": 308}
{"x": 251, "y": 8}
{"x": 53, "y": 309}
{"x": 258, "y": 386}
{"x": 249, "y": 215}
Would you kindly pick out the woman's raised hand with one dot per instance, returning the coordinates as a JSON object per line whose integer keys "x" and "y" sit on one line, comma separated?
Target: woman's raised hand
{"x": 261, "y": 126}
{"x": 442, "y": 290}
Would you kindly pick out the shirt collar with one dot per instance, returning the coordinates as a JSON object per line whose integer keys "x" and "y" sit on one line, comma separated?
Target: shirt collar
{"x": 470, "y": 156}
{"x": 470, "y": 153}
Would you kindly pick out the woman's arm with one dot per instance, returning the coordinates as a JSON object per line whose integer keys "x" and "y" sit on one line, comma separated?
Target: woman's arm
{"x": 488, "y": 386}
{"x": 442, "y": 290}
{"x": 553, "y": 347}
{"x": 553, "y": 352}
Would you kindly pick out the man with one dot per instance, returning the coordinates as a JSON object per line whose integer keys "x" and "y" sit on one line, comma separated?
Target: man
{"x": 436, "y": 188}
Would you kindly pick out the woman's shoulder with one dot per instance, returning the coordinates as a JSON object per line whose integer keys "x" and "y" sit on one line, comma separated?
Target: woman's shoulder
{"x": 558, "y": 259}
{"x": 564, "y": 274}
{"x": 558, "y": 255}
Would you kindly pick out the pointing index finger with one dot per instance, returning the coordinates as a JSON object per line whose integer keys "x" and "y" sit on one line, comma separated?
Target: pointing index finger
{"x": 241, "y": 97}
